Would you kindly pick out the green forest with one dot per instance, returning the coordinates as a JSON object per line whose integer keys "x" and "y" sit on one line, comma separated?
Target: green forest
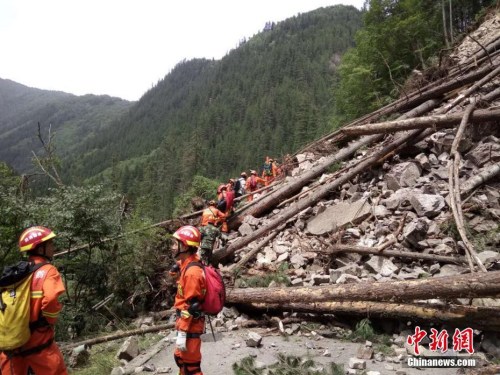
{"x": 204, "y": 122}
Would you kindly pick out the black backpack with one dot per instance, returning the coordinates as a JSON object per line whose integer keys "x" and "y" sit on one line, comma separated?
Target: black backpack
{"x": 237, "y": 188}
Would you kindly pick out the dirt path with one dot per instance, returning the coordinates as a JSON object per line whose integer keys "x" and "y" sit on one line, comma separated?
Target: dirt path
{"x": 230, "y": 347}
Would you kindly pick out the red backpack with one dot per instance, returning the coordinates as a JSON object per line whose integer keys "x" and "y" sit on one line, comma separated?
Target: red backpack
{"x": 253, "y": 182}
{"x": 215, "y": 297}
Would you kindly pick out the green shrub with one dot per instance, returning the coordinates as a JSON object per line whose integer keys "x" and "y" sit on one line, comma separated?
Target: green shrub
{"x": 263, "y": 281}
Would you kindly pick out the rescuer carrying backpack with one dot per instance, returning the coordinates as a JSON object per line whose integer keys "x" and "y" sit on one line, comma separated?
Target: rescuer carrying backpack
{"x": 29, "y": 308}
{"x": 15, "y": 296}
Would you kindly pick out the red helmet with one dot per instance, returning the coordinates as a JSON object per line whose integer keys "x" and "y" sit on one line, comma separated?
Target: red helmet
{"x": 34, "y": 236}
{"x": 188, "y": 235}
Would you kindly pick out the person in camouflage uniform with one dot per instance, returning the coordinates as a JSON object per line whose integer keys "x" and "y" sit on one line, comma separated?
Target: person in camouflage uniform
{"x": 209, "y": 234}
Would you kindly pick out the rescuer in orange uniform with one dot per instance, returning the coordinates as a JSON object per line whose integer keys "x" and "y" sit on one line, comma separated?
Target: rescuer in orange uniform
{"x": 212, "y": 215}
{"x": 252, "y": 184}
{"x": 269, "y": 171}
{"x": 41, "y": 353}
{"x": 191, "y": 289}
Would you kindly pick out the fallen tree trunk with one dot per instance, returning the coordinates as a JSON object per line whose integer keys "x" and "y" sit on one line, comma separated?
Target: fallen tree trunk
{"x": 391, "y": 253}
{"x": 484, "y": 175}
{"x": 119, "y": 335}
{"x": 422, "y": 122}
{"x": 475, "y": 316}
{"x": 476, "y": 285}
{"x": 454, "y": 187}
{"x": 314, "y": 198}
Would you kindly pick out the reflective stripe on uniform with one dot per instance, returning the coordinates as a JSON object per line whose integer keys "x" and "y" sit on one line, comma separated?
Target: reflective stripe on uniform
{"x": 50, "y": 315}
{"x": 37, "y": 294}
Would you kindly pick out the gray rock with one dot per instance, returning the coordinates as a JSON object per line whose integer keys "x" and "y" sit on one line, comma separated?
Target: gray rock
{"x": 79, "y": 357}
{"x": 381, "y": 265}
{"x": 381, "y": 211}
{"x": 347, "y": 279}
{"x": 440, "y": 173}
{"x": 488, "y": 150}
{"x": 427, "y": 204}
{"x": 423, "y": 160}
{"x": 364, "y": 352}
{"x": 251, "y": 220}
{"x": 283, "y": 257}
{"x": 253, "y": 340}
{"x": 118, "y": 371}
{"x": 163, "y": 370}
{"x": 245, "y": 229}
{"x": 129, "y": 349}
{"x": 443, "y": 249}
{"x": 488, "y": 257}
{"x": 356, "y": 363}
{"x": 320, "y": 279}
{"x": 338, "y": 216}
{"x": 450, "y": 270}
{"x": 298, "y": 261}
{"x": 402, "y": 175}
{"x": 415, "y": 231}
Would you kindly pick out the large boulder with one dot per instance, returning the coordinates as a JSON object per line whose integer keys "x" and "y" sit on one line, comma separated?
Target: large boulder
{"x": 338, "y": 216}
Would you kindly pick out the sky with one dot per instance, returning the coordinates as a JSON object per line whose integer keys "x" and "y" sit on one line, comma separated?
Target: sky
{"x": 123, "y": 48}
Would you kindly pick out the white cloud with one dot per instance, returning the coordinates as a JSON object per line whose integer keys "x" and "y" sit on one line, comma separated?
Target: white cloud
{"x": 123, "y": 47}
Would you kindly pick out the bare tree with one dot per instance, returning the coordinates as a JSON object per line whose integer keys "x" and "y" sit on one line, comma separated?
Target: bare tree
{"x": 445, "y": 30}
{"x": 49, "y": 162}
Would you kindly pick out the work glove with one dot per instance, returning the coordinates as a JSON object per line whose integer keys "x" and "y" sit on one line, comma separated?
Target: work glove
{"x": 180, "y": 342}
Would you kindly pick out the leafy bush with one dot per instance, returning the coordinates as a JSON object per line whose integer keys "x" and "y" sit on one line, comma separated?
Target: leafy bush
{"x": 279, "y": 276}
{"x": 200, "y": 187}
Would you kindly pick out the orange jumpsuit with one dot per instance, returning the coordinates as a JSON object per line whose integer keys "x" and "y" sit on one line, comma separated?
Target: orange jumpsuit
{"x": 268, "y": 179}
{"x": 190, "y": 285}
{"x": 46, "y": 287}
{"x": 253, "y": 179}
{"x": 211, "y": 215}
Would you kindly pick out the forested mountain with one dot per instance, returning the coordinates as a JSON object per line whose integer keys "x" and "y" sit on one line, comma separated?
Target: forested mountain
{"x": 72, "y": 119}
{"x": 267, "y": 97}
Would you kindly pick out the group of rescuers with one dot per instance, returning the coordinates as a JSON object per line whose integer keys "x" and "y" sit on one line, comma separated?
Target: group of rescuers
{"x": 41, "y": 355}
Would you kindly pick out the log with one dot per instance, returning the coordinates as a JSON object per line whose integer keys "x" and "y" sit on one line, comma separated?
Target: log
{"x": 484, "y": 284}
{"x": 477, "y": 317}
{"x": 484, "y": 175}
{"x": 391, "y": 253}
{"x": 440, "y": 121}
{"x": 119, "y": 335}
{"x": 314, "y": 198}
{"x": 488, "y": 78}
{"x": 454, "y": 183}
